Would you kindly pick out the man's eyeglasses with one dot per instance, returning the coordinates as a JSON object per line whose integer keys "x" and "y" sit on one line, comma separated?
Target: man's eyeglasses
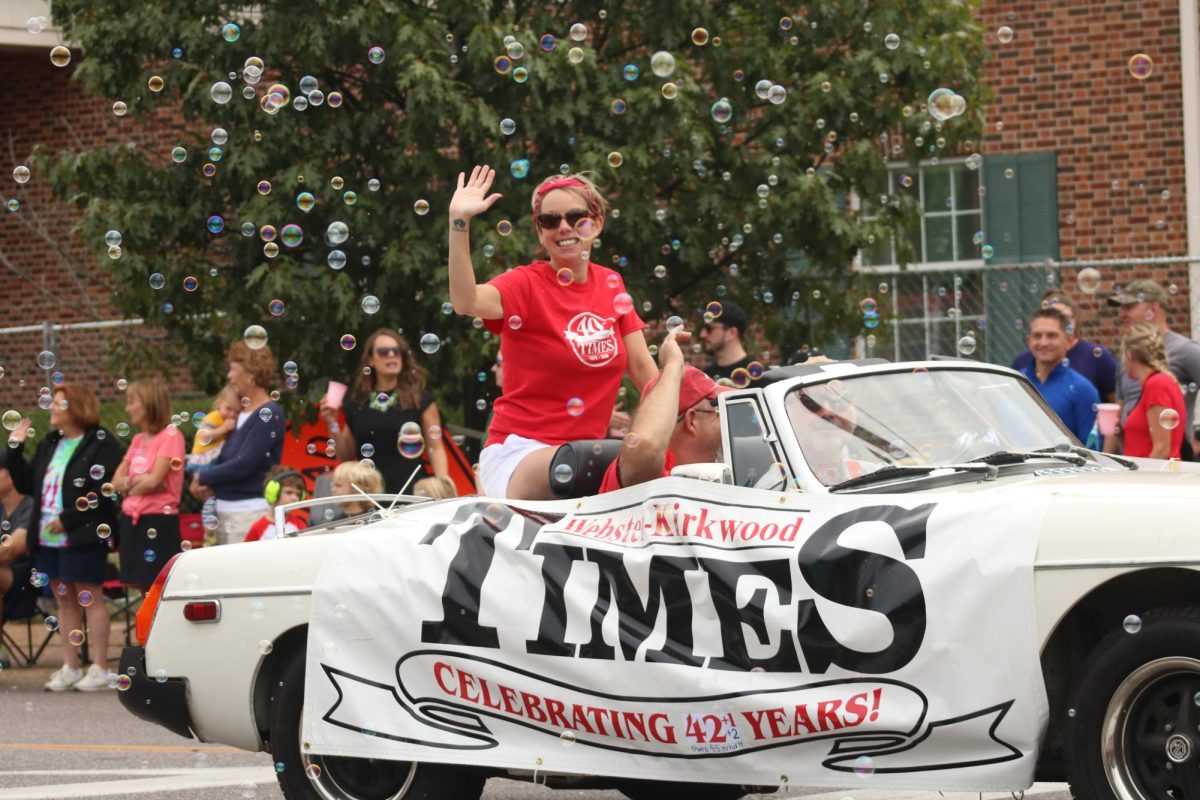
{"x": 551, "y": 219}
{"x": 390, "y": 351}
{"x": 699, "y": 408}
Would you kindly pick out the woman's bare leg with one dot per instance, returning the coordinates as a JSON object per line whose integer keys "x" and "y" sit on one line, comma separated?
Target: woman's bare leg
{"x": 531, "y": 479}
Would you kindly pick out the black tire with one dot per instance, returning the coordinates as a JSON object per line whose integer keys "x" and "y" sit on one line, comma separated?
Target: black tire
{"x": 668, "y": 790}
{"x": 1132, "y": 728}
{"x": 339, "y": 778}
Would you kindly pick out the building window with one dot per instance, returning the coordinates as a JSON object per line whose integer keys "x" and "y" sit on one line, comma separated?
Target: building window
{"x": 948, "y": 230}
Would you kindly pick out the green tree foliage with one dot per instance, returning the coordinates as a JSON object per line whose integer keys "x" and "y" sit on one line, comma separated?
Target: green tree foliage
{"x": 750, "y": 208}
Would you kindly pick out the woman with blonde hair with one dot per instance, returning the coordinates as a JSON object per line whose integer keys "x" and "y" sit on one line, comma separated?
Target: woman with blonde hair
{"x": 356, "y": 478}
{"x": 390, "y": 416}
{"x": 150, "y": 480}
{"x": 1154, "y": 428}
{"x": 568, "y": 331}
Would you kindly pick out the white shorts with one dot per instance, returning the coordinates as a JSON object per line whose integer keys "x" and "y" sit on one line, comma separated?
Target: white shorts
{"x": 498, "y": 462}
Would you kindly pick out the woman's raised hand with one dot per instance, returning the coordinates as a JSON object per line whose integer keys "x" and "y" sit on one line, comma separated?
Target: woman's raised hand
{"x": 472, "y": 198}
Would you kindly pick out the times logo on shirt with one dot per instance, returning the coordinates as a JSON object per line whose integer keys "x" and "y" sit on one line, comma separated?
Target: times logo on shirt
{"x": 592, "y": 338}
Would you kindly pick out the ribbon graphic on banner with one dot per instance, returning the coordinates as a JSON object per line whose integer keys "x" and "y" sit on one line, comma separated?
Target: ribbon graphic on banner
{"x": 449, "y": 695}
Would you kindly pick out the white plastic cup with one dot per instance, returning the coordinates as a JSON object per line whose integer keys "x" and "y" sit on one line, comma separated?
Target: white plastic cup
{"x": 1107, "y": 417}
{"x": 335, "y": 394}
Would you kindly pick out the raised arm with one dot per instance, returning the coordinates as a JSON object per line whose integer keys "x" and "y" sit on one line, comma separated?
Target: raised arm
{"x": 644, "y": 449}
{"x": 470, "y": 199}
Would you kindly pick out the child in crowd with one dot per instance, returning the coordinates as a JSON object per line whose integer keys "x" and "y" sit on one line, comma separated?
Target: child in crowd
{"x": 284, "y": 485}
{"x": 354, "y": 478}
{"x": 217, "y": 425}
{"x": 435, "y": 488}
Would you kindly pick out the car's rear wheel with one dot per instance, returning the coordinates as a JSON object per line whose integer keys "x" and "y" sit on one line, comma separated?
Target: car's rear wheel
{"x": 1133, "y": 729}
{"x": 305, "y": 776}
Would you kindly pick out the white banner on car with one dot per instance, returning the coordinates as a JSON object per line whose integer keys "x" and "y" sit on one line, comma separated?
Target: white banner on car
{"x": 687, "y": 631}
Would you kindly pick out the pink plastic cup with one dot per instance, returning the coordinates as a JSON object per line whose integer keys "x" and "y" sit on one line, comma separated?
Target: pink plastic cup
{"x": 1107, "y": 416}
{"x": 335, "y": 394}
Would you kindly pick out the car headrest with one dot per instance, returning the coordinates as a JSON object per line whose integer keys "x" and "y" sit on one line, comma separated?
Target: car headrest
{"x": 578, "y": 467}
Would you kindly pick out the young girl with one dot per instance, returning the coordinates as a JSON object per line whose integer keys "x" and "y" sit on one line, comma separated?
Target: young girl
{"x": 435, "y": 488}
{"x": 568, "y": 331}
{"x": 355, "y": 478}
{"x": 217, "y": 425}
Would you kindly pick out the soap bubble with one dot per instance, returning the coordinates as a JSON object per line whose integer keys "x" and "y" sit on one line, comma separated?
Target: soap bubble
{"x": 623, "y": 303}
{"x": 563, "y": 473}
{"x": 230, "y": 32}
{"x": 662, "y": 63}
{"x": 722, "y": 111}
{"x": 221, "y": 92}
{"x": 700, "y": 37}
{"x": 430, "y": 343}
{"x": 370, "y": 304}
{"x": 519, "y": 168}
{"x": 410, "y": 442}
{"x": 376, "y": 55}
{"x": 11, "y": 419}
{"x": 421, "y": 207}
{"x": 578, "y": 32}
{"x": 1141, "y": 66}
{"x": 21, "y": 174}
{"x": 575, "y": 407}
{"x": 1004, "y": 35}
{"x": 1169, "y": 419}
{"x": 1132, "y": 623}
{"x": 255, "y": 337}
{"x": 1089, "y": 280}
{"x": 891, "y": 41}
{"x": 966, "y": 345}
{"x": 336, "y": 233}
{"x": 348, "y": 342}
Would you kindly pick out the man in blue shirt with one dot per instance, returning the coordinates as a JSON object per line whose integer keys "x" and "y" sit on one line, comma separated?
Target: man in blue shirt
{"x": 1093, "y": 361}
{"x": 1070, "y": 394}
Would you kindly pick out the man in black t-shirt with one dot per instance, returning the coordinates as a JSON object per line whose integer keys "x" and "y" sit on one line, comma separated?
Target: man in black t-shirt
{"x": 16, "y": 511}
{"x": 722, "y": 340}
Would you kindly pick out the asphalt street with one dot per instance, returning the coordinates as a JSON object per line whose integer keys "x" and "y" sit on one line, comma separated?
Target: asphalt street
{"x": 79, "y": 745}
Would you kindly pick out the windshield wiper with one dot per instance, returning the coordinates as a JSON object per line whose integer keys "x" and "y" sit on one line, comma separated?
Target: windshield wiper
{"x": 897, "y": 471}
{"x": 1004, "y": 457}
{"x": 1124, "y": 461}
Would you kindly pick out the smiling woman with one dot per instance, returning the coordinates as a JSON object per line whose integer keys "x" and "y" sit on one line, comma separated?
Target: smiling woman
{"x": 390, "y": 417}
{"x": 568, "y": 331}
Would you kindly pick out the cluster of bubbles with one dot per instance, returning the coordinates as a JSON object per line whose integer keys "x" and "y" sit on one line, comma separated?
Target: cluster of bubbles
{"x": 945, "y": 104}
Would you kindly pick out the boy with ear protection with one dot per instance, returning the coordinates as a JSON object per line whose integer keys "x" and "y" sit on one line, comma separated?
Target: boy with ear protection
{"x": 284, "y": 485}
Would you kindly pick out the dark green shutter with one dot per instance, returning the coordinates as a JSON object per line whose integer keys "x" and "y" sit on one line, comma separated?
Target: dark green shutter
{"x": 1020, "y": 214}
{"x": 1021, "y": 223}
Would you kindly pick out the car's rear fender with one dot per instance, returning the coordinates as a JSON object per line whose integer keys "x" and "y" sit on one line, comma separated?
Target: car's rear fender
{"x": 1088, "y": 620}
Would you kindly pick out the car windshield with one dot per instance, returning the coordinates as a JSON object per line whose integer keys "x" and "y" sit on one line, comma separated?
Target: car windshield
{"x": 848, "y": 427}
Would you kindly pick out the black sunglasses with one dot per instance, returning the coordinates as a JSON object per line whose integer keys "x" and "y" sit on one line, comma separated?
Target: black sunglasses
{"x": 390, "y": 351}
{"x": 551, "y": 219}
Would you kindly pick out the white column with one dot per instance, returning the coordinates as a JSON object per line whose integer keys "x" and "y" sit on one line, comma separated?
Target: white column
{"x": 1189, "y": 62}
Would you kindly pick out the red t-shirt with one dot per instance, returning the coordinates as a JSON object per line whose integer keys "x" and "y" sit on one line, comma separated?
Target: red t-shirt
{"x": 564, "y": 353}
{"x": 612, "y": 477}
{"x": 1160, "y": 389}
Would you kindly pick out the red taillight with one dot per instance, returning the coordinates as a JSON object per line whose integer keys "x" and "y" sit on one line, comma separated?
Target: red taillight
{"x": 202, "y": 611}
{"x": 145, "y": 614}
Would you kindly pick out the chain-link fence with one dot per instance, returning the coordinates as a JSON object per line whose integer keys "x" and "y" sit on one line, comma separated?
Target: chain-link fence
{"x": 980, "y": 311}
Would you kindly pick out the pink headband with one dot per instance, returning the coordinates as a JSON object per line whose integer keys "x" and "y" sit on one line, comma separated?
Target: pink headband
{"x": 557, "y": 183}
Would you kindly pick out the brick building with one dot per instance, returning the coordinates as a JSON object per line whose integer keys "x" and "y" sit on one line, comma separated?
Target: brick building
{"x": 1082, "y": 161}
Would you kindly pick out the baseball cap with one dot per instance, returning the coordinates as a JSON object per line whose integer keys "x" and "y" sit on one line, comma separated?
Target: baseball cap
{"x": 733, "y": 316}
{"x": 1144, "y": 290}
{"x": 693, "y": 387}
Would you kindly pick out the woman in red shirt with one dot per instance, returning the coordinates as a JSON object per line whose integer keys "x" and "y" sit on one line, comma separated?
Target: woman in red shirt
{"x": 1154, "y": 428}
{"x": 568, "y": 331}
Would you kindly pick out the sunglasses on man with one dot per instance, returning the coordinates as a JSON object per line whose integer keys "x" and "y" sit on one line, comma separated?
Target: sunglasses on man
{"x": 549, "y": 220}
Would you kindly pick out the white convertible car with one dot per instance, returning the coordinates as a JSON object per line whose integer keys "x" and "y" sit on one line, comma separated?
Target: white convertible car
{"x": 901, "y": 576}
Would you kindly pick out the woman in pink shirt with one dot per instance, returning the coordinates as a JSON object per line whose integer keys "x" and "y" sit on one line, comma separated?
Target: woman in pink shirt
{"x": 150, "y": 480}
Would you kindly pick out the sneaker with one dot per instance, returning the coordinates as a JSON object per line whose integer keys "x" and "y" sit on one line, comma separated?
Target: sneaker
{"x": 63, "y": 680}
{"x": 95, "y": 680}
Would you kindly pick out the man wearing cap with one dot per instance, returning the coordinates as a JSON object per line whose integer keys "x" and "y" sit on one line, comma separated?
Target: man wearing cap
{"x": 723, "y": 341}
{"x": 676, "y": 423}
{"x": 1143, "y": 301}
